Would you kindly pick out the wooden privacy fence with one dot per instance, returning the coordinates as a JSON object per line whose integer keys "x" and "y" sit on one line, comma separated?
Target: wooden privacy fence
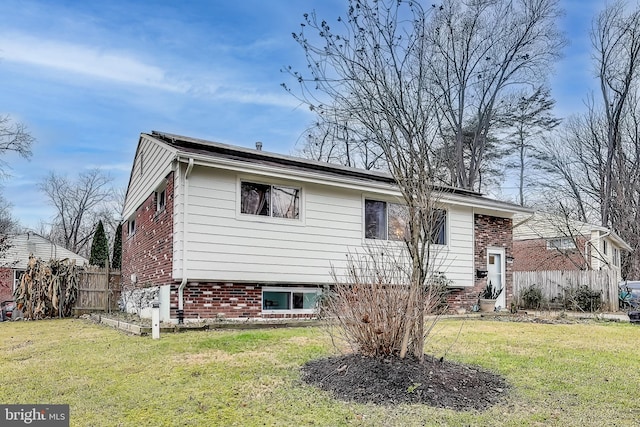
{"x": 98, "y": 290}
{"x": 554, "y": 283}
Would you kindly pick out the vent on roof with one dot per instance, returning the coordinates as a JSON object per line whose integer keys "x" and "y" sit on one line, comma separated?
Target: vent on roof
{"x": 259, "y": 146}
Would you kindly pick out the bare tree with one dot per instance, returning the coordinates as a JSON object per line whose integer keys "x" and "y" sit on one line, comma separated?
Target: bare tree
{"x": 79, "y": 204}
{"x": 373, "y": 76}
{"x": 332, "y": 142}
{"x": 478, "y": 51}
{"x": 527, "y": 116}
{"x": 616, "y": 41}
{"x": 598, "y": 154}
{"x": 14, "y": 137}
{"x": 8, "y": 224}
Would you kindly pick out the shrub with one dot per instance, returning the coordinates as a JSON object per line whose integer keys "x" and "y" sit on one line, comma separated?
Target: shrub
{"x": 582, "y": 298}
{"x": 368, "y": 306}
{"x": 532, "y": 297}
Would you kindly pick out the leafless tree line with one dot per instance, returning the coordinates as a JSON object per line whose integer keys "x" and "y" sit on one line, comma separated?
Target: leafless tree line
{"x": 593, "y": 163}
{"x": 80, "y": 203}
{"x": 419, "y": 91}
{"x": 471, "y": 76}
{"x": 465, "y": 68}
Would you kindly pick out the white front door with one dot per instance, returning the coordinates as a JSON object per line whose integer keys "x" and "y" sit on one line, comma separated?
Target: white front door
{"x": 495, "y": 274}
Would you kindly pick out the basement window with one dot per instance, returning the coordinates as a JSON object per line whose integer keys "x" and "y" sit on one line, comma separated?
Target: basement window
{"x": 297, "y": 300}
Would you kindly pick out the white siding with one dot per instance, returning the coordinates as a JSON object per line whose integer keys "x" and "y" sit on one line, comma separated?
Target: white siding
{"x": 546, "y": 226}
{"x": 224, "y": 245}
{"x": 23, "y": 245}
{"x": 151, "y": 164}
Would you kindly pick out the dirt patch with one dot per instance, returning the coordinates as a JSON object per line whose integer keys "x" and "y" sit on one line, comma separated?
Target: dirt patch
{"x": 390, "y": 381}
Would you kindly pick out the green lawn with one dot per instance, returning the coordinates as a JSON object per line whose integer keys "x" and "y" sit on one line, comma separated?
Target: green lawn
{"x": 565, "y": 375}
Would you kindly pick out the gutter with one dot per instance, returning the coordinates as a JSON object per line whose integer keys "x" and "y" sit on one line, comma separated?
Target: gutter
{"x": 184, "y": 281}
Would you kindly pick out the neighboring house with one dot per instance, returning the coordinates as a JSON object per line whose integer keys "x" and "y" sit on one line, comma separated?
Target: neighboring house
{"x": 550, "y": 242}
{"x": 214, "y": 230}
{"x": 14, "y": 261}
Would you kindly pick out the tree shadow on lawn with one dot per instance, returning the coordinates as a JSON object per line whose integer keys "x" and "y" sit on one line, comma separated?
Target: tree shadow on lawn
{"x": 390, "y": 381}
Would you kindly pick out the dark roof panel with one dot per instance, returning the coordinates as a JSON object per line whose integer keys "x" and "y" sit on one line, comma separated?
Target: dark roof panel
{"x": 219, "y": 150}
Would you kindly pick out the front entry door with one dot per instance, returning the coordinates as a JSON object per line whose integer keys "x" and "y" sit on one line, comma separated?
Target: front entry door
{"x": 495, "y": 274}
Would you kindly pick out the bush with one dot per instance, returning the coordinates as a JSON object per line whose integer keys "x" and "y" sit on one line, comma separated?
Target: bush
{"x": 368, "y": 307}
{"x": 532, "y": 297}
{"x": 582, "y": 298}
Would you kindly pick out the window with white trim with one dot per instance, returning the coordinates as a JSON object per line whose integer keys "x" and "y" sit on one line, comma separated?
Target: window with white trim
{"x": 17, "y": 278}
{"x": 562, "y": 243}
{"x": 131, "y": 226}
{"x": 276, "y": 201}
{"x": 161, "y": 199}
{"x": 616, "y": 257}
{"x": 389, "y": 221}
{"x": 301, "y": 300}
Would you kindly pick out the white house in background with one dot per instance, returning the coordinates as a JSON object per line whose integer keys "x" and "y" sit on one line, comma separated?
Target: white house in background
{"x": 15, "y": 259}
{"x": 551, "y": 242}
{"x": 223, "y": 231}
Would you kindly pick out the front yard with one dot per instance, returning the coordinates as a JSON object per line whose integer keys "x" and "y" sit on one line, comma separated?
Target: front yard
{"x": 583, "y": 374}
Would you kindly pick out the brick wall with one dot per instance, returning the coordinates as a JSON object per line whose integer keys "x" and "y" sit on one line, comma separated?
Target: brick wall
{"x": 226, "y": 300}
{"x": 489, "y": 231}
{"x": 6, "y": 284}
{"x": 148, "y": 253}
{"x": 533, "y": 255}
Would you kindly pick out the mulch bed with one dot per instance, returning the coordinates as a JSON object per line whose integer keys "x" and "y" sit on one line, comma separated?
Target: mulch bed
{"x": 390, "y": 381}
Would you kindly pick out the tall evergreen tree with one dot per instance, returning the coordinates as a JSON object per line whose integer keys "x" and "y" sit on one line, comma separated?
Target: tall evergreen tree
{"x": 116, "y": 259}
{"x": 99, "y": 247}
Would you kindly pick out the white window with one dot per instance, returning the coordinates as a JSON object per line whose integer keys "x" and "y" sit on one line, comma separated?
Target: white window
{"x": 161, "y": 199}
{"x": 563, "y": 243}
{"x": 297, "y": 300}
{"x": 17, "y": 278}
{"x": 269, "y": 200}
{"x": 616, "y": 257}
{"x": 605, "y": 247}
{"x": 131, "y": 228}
{"x": 388, "y": 221}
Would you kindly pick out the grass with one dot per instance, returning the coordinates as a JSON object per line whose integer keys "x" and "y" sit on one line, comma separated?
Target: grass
{"x": 564, "y": 375}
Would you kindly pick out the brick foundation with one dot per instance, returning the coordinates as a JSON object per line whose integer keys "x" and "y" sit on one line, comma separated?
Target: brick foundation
{"x": 225, "y": 300}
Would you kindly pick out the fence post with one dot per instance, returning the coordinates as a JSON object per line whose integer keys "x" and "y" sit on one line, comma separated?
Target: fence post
{"x": 106, "y": 287}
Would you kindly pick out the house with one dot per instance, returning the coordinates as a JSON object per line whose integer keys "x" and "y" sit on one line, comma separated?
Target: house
{"x": 214, "y": 230}
{"x": 14, "y": 261}
{"x": 551, "y": 242}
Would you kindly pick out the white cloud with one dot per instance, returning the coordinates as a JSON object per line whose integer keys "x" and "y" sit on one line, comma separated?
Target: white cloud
{"x": 89, "y": 61}
{"x": 119, "y": 167}
{"x": 126, "y": 68}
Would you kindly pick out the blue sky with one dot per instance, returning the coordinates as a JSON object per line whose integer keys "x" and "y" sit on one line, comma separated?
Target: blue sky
{"x": 87, "y": 77}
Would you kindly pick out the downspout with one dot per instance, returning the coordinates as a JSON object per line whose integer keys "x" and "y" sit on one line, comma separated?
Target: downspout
{"x": 183, "y": 284}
